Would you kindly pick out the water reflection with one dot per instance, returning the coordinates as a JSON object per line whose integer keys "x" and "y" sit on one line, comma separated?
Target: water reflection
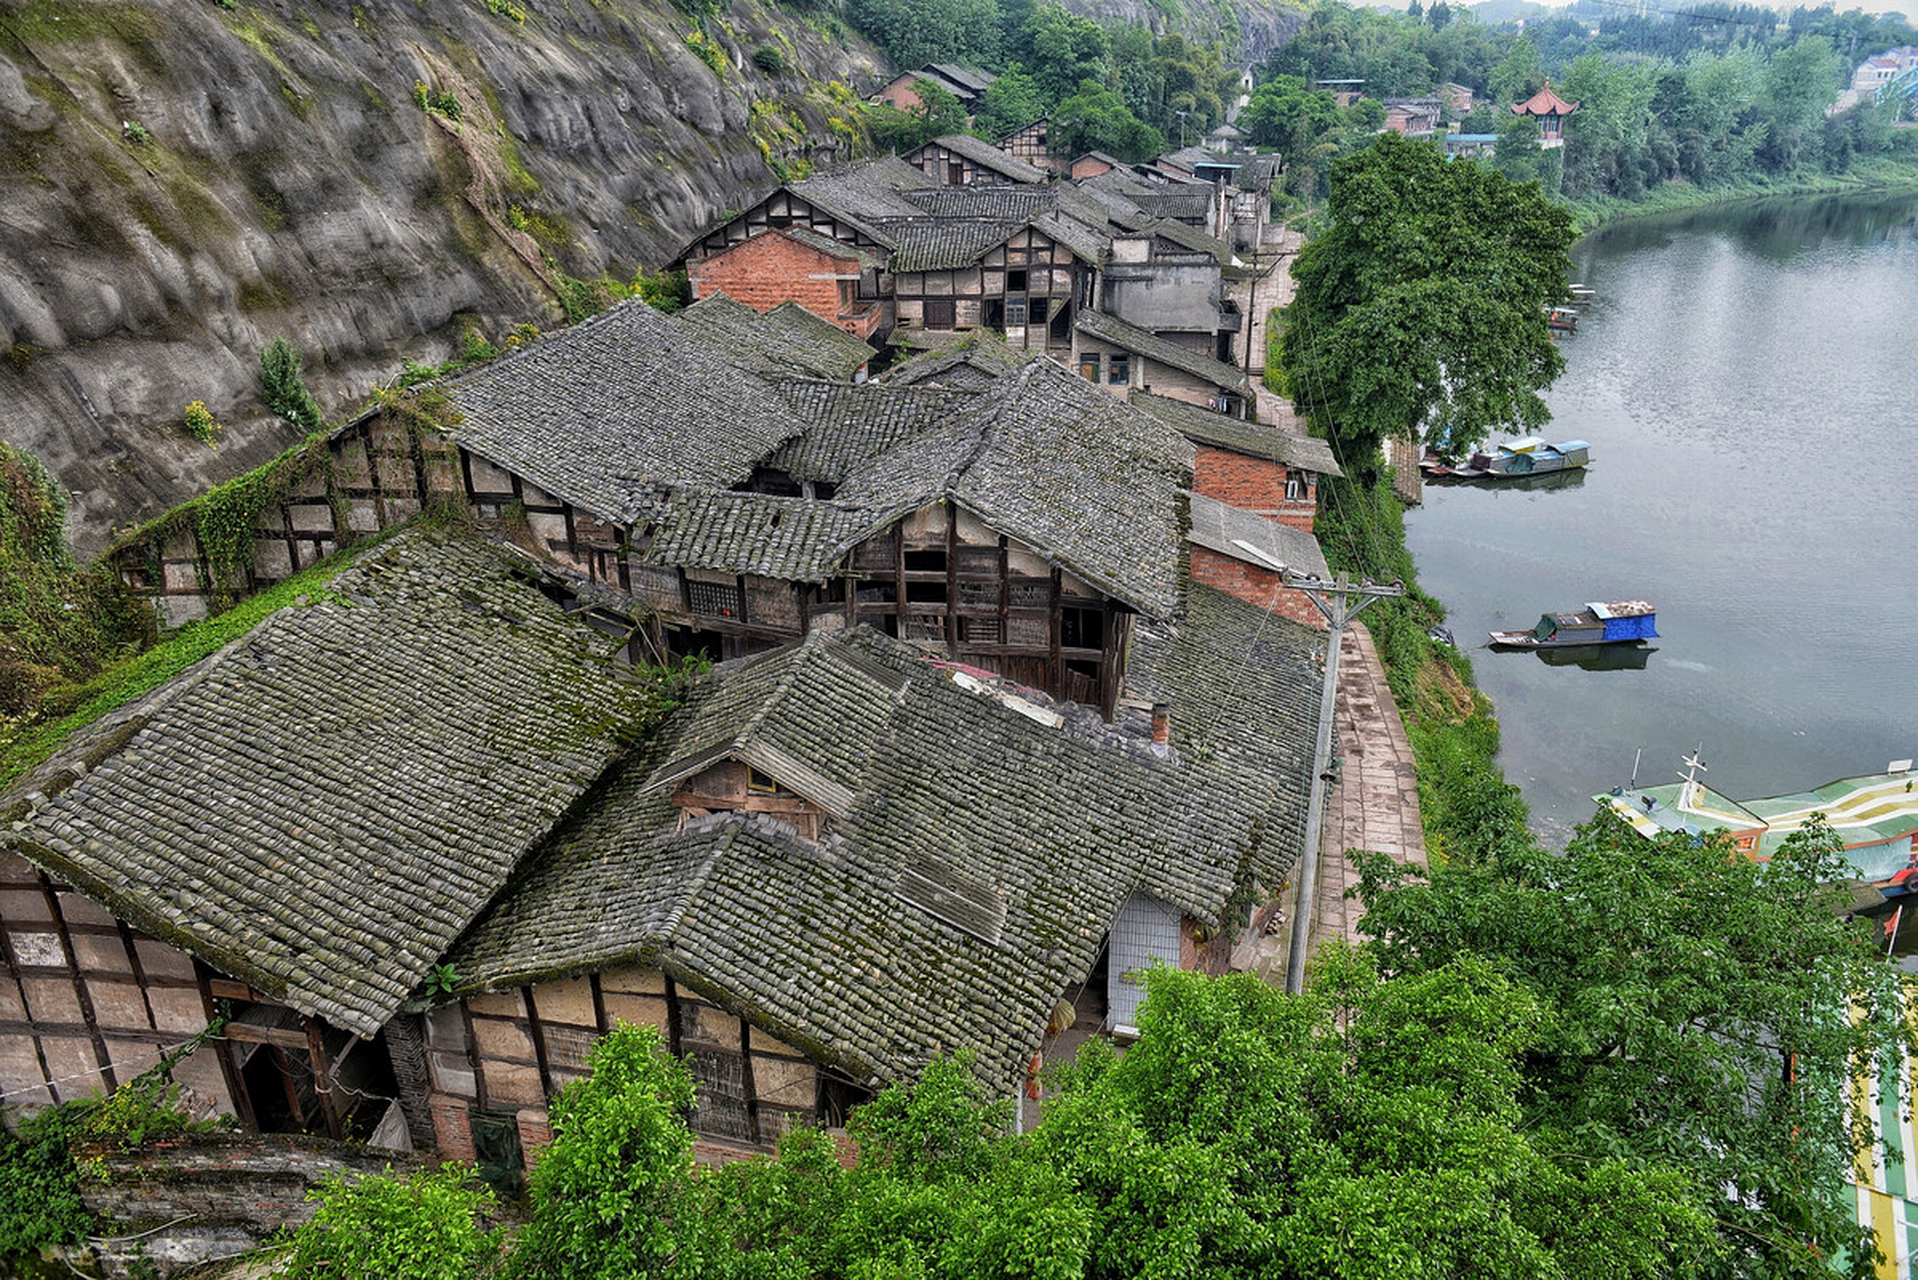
{"x": 1746, "y": 380}
{"x": 1598, "y": 657}
{"x": 1772, "y": 229}
{"x": 1549, "y": 480}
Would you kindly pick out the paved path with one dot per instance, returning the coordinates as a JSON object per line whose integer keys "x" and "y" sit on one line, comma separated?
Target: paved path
{"x": 1375, "y": 804}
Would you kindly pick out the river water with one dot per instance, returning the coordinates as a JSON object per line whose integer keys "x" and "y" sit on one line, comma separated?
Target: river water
{"x": 1748, "y": 380}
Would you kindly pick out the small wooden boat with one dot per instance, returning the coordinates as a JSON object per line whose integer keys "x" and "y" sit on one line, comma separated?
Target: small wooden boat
{"x": 1532, "y": 456}
{"x": 1604, "y": 622}
{"x": 1561, "y": 319}
{"x": 1582, "y": 293}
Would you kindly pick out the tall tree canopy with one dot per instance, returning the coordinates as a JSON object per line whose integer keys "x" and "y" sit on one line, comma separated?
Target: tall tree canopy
{"x": 1421, "y": 303}
{"x": 1699, "y": 1009}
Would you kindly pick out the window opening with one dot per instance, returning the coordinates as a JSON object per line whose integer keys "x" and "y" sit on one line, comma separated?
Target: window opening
{"x": 1119, "y": 370}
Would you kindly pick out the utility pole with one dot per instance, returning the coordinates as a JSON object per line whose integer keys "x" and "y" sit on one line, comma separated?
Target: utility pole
{"x": 1340, "y": 602}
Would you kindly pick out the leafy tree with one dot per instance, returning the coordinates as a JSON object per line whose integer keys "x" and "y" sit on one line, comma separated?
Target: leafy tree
{"x": 1519, "y": 76}
{"x": 1800, "y": 83}
{"x": 609, "y": 1193}
{"x": 1094, "y": 119}
{"x": 1441, "y": 15}
{"x": 937, "y": 115}
{"x": 1062, "y": 50}
{"x": 1366, "y": 115}
{"x": 1700, "y": 1011}
{"x": 1011, "y": 102}
{"x": 1421, "y": 303}
{"x": 916, "y": 32}
{"x": 425, "y": 1227}
{"x": 1518, "y": 156}
{"x": 284, "y": 389}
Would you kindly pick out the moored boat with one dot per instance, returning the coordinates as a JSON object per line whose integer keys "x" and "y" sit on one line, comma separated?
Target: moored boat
{"x": 1561, "y": 319}
{"x": 1531, "y": 456}
{"x": 1601, "y": 622}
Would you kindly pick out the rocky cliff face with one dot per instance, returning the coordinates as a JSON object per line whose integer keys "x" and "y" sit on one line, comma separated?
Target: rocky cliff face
{"x": 180, "y": 182}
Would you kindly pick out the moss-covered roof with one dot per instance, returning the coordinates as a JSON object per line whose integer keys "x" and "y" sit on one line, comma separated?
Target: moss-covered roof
{"x": 323, "y": 805}
{"x": 988, "y": 840}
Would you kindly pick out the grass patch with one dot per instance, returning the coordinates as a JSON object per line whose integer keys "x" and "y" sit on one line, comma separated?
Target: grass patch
{"x": 1878, "y": 173}
{"x": 32, "y": 743}
{"x": 1467, "y": 807}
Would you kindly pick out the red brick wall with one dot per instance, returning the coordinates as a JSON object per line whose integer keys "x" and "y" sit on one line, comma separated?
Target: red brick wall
{"x": 1255, "y": 586}
{"x": 770, "y": 269}
{"x": 1250, "y": 484}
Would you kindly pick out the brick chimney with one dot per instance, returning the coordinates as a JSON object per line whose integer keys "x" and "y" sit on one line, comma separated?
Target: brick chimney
{"x": 1161, "y": 728}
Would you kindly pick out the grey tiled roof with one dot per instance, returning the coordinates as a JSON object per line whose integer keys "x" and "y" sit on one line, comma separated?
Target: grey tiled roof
{"x": 867, "y": 194}
{"x": 987, "y": 156}
{"x": 980, "y": 862}
{"x": 324, "y": 805}
{"x": 1254, "y": 539}
{"x": 942, "y": 244}
{"x": 995, "y": 203}
{"x": 843, "y": 428}
{"x": 608, "y": 412}
{"x": 1255, "y": 439}
{"x": 841, "y": 353}
{"x": 779, "y": 344}
{"x": 1047, "y": 458}
{"x": 796, "y": 539}
{"x": 971, "y": 361}
{"x": 1192, "y": 238}
{"x": 977, "y": 81}
{"x": 1150, "y": 345}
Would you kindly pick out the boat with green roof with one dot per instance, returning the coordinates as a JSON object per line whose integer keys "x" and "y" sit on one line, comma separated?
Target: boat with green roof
{"x": 1875, "y": 816}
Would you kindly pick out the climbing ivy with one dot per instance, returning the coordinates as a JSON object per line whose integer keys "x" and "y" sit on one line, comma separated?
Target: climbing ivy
{"x": 59, "y": 624}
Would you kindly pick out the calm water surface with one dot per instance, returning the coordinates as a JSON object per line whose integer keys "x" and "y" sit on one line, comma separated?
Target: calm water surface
{"x": 1748, "y": 380}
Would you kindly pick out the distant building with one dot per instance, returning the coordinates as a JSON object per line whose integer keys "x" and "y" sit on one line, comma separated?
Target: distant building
{"x": 1412, "y": 117}
{"x": 1550, "y": 111}
{"x": 1875, "y": 72}
{"x": 961, "y": 82}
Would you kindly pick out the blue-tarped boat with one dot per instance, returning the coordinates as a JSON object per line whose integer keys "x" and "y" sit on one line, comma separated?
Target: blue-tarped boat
{"x": 1604, "y": 622}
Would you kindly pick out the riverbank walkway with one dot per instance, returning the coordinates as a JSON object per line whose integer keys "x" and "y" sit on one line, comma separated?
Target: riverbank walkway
{"x": 1375, "y": 803}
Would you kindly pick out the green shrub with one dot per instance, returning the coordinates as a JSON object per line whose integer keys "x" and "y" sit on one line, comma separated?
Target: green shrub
{"x": 200, "y": 424}
{"x": 769, "y": 59}
{"x": 709, "y": 50}
{"x": 506, "y": 9}
{"x": 669, "y": 291}
{"x": 284, "y": 389}
{"x": 40, "y": 1187}
{"x": 430, "y": 1226}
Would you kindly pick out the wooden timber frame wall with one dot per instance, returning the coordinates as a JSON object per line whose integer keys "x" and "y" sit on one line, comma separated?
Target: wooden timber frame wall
{"x": 784, "y": 209}
{"x": 943, "y": 577}
{"x": 88, "y": 1002}
{"x": 495, "y": 1060}
{"x": 1027, "y": 289}
{"x": 934, "y": 579}
{"x": 370, "y": 475}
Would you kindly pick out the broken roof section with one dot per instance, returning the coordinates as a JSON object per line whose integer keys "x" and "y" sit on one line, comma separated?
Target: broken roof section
{"x": 1240, "y": 435}
{"x": 985, "y": 846}
{"x": 778, "y": 343}
{"x": 608, "y": 413}
{"x": 324, "y": 805}
{"x": 1075, "y": 474}
{"x": 1144, "y": 342}
{"x": 1262, "y": 543}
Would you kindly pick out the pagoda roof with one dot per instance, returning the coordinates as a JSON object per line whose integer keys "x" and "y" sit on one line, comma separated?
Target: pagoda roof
{"x": 1544, "y": 103}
